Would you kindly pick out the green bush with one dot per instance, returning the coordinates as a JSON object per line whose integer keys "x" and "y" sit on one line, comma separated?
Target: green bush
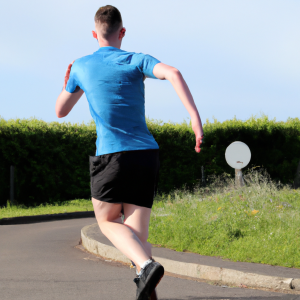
{"x": 275, "y": 146}
{"x": 52, "y": 159}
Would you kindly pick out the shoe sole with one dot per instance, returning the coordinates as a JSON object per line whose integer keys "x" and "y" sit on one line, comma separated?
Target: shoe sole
{"x": 153, "y": 295}
{"x": 149, "y": 289}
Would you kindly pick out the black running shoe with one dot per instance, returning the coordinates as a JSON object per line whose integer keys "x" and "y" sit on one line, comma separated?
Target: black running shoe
{"x": 148, "y": 280}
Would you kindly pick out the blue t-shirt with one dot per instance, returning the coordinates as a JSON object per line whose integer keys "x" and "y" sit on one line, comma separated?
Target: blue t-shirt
{"x": 112, "y": 80}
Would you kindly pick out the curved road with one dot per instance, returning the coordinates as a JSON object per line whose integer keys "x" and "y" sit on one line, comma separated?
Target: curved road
{"x": 42, "y": 261}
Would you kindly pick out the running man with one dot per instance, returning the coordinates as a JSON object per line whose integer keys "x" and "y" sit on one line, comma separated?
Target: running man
{"x": 124, "y": 171}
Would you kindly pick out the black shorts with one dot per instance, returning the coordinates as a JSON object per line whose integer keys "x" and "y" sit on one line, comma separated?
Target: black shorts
{"x": 125, "y": 177}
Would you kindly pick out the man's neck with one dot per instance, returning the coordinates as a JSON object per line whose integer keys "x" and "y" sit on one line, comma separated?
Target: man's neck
{"x": 104, "y": 43}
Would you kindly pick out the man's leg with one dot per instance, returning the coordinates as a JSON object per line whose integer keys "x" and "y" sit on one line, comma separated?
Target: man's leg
{"x": 122, "y": 236}
{"x": 137, "y": 218}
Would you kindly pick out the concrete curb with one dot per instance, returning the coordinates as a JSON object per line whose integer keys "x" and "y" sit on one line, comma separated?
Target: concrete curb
{"x": 225, "y": 276}
{"x": 45, "y": 218}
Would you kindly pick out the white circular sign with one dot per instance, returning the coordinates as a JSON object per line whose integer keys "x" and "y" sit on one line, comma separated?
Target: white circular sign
{"x": 238, "y": 155}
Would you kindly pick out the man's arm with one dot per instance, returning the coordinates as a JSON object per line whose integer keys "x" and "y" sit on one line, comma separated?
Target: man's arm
{"x": 66, "y": 101}
{"x": 165, "y": 72}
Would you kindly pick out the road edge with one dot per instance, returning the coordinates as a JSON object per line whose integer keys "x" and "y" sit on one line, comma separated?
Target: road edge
{"x": 223, "y": 275}
{"x": 45, "y": 218}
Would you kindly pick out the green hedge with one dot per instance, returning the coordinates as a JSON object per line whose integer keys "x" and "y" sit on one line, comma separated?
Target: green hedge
{"x": 51, "y": 159}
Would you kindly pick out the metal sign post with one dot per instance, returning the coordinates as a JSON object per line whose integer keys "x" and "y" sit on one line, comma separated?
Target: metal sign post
{"x": 239, "y": 181}
{"x": 238, "y": 156}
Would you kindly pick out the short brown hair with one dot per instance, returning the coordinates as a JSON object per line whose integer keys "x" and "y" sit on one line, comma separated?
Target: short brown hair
{"x": 110, "y": 17}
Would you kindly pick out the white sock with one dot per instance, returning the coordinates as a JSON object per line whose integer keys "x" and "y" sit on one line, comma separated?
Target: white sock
{"x": 147, "y": 262}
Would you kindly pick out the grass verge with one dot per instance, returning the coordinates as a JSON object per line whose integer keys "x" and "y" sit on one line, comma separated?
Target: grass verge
{"x": 63, "y": 207}
{"x": 256, "y": 223}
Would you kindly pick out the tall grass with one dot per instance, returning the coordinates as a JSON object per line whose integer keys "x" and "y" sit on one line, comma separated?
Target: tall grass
{"x": 255, "y": 223}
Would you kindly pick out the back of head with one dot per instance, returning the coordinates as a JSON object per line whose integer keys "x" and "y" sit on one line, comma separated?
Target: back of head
{"x": 109, "y": 20}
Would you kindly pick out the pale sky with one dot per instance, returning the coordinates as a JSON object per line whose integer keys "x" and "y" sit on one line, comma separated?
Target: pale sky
{"x": 239, "y": 58}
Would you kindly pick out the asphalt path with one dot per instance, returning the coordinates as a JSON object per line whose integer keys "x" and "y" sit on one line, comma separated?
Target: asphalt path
{"x": 43, "y": 261}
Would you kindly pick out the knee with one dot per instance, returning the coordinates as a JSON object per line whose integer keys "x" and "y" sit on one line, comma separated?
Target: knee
{"x": 104, "y": 223}
{"x": 101, "y": 223}
{"x": 105, "y": 220}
